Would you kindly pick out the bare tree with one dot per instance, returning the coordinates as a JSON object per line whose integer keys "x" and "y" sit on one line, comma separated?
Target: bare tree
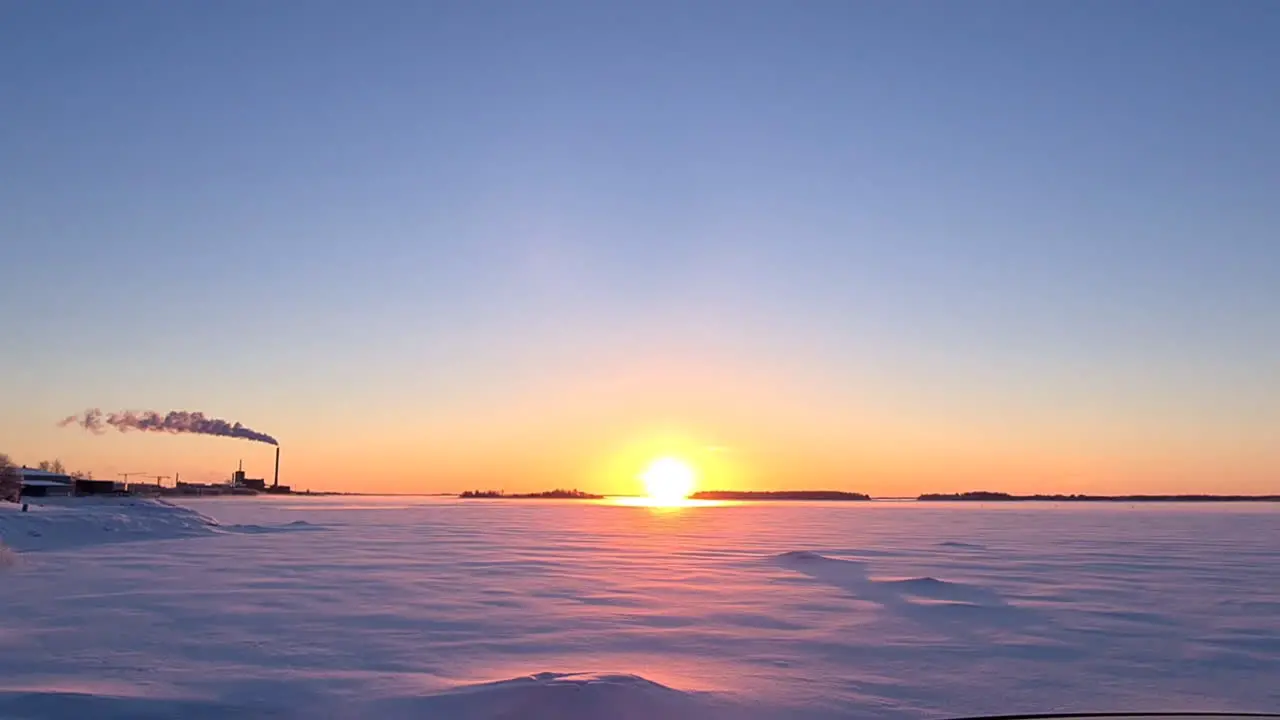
{"x": 53, "y": 466}
{"x": 10, "y": 480}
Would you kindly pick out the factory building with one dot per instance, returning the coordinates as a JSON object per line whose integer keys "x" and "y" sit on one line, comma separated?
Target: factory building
{"x": 238, "y": 480}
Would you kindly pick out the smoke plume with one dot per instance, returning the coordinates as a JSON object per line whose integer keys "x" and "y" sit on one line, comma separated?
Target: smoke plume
{"x": 175, "y": 421}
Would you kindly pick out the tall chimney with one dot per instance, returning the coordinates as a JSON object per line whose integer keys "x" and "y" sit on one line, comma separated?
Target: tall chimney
{"x": 276, "y": 482}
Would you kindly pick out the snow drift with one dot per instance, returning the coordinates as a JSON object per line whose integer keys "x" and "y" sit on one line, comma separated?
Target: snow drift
{"x": 66, "y": 523}
{"x": 62, "y": 523}
{"x": 562, "y": 696}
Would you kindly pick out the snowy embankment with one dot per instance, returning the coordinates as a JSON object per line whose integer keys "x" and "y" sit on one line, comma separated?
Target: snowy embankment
{"x": 62, "y": 523}
{"x": 66, "y": 523}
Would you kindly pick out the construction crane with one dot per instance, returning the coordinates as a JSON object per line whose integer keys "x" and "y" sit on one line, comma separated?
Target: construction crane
{"x": 126, "y": 476}
{"x": 158, "y": 478}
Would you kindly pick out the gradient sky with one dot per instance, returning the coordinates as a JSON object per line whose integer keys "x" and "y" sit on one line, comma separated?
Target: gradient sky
{"x": 885, "y": 246}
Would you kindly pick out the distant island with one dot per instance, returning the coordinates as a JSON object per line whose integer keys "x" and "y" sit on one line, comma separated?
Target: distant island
{"x": 778, "y": 495}
{"x": 557, "y": 494}
{"x": 983, "y": 496}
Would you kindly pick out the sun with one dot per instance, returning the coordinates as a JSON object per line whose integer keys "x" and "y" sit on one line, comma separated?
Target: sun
{"x": 668, "y": 480}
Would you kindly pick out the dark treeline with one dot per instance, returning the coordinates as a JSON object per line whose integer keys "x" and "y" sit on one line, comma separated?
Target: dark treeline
{"x": 778, "y": 495}
{"x": 557, "y": 494}
{"x": 983, "y": 496}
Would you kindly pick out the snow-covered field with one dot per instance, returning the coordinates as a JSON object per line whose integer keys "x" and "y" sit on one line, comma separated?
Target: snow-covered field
{"x": 399, "y": 608}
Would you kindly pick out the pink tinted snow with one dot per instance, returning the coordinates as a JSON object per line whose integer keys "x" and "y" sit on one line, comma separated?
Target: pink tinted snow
{"x": 389, "y": 608}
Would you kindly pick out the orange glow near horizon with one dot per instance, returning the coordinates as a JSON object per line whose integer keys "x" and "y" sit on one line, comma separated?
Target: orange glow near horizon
{"x": 680, "y": 459}
{"x": 602, "y": 440}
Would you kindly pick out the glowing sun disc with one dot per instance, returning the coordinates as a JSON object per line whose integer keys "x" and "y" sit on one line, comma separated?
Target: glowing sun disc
{"x": 668, "y": 479}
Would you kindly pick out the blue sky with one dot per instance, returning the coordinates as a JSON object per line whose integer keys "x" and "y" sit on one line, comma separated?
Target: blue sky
{"x": 421, "y": 230}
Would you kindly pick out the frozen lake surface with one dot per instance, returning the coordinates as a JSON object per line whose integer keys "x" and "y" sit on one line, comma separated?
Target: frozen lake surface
{"x": 400, "y": 608}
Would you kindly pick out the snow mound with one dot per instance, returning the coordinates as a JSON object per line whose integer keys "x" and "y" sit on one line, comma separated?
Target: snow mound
{"x": 74, "y": 522}
{"x": 78, "y": 704}
{"x": 793, "y": 556}
{"x": 921, "y": 585}
{"x": 297, "y": 526}
{"x": 935, "y": 589}
{"x": 562, "y": 696}
{"x": 64, "y": 523}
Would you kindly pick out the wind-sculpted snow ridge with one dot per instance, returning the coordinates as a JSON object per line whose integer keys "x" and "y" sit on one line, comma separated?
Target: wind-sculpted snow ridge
{"x": 853, "y": 576}
{"x": 564, "y": 696}
{"x": 105, "y": 701}
{"x": 942, "y": 606}
{"x": 961, "y": 545}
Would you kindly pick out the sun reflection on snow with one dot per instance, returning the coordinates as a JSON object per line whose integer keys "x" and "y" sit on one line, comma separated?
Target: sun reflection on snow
{"x": 663, "y": 503}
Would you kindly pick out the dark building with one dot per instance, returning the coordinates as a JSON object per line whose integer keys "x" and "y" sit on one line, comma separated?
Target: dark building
{"x": 186, "y": 488}
{"x": 97, "y": 487}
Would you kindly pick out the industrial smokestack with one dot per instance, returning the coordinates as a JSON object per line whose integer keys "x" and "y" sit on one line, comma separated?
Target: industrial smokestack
{"x": 276, "y": 482}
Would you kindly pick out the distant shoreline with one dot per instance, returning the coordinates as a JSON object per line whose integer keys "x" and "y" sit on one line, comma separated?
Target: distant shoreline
{"x": 547, "y": 495}
{"x": 1006, "y": 497}
{"x": 786, "y": 495}
{"x": 813, "y": 495}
